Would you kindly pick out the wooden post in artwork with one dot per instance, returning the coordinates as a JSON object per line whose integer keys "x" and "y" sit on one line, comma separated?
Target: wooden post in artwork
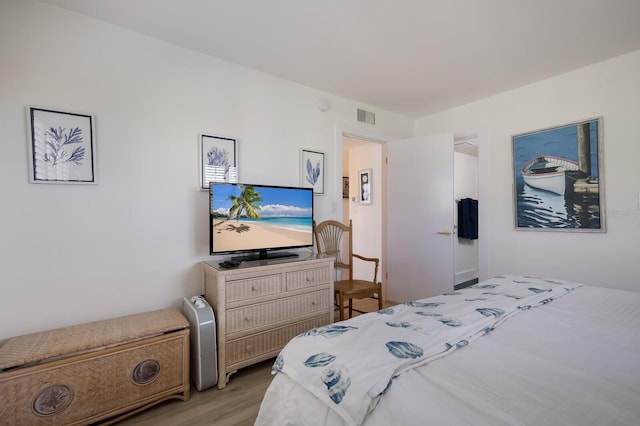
{"x": 584, "y": 149}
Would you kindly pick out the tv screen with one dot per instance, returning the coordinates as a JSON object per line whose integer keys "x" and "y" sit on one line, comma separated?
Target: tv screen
{"x": 259, "y": 220}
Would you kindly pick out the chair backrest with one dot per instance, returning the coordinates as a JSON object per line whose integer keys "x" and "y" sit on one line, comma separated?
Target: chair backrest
{"x": 335, "y": 239}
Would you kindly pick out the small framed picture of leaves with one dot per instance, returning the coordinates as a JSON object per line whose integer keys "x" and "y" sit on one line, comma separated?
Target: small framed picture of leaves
{"x": 312, "y": 170}
{"x": 218, "y": 160}
{"x": 62, "y": 147}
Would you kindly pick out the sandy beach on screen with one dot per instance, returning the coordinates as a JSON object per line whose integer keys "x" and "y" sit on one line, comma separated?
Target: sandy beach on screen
{"x": 231, "y": 235}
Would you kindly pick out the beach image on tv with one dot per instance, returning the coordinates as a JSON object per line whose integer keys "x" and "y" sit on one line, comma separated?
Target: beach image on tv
{"x": 252, "y": 217}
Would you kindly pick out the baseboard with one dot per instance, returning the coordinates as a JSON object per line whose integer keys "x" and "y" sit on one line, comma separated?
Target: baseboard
{"x": 466, "y": 275}
{"x": 465, "y": 284}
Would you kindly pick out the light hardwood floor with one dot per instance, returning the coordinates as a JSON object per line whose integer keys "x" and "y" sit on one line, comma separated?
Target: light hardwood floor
{"x": 235, "y": 405}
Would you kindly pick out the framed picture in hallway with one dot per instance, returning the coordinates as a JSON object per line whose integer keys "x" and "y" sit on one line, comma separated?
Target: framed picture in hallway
{"x": 558, "y": 178}
{"x": 365, "y": 186}
{"x": 345, "y": 187}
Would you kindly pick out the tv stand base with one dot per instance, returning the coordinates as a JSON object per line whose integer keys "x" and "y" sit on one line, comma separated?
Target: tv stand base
{"x": 264, "y": 255}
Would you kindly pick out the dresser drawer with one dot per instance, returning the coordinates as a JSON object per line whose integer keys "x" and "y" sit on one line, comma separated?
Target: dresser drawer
{"x": 83, "y": 389}
{"x": 307, "y": 278}
{"x": 269, "y": 341}
{"x": 249, "y": 288}
{"x": 252, "y": 316}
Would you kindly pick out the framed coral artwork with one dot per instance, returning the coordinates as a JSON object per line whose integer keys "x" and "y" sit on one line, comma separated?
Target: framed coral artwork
{"x": 312, "y": 170}
{"x": 62, "y": 146}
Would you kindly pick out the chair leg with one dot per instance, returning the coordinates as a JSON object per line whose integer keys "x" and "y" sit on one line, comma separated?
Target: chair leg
{"x": 379, "y": 302}
{"x": 350, "y": 307}
{"x": 341, "y": 306}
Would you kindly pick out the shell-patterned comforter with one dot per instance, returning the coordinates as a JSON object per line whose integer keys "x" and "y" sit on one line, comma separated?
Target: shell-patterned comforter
{"x": 349, "y": 364}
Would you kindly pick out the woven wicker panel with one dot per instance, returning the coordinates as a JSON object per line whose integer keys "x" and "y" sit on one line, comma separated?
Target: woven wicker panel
{"x": 99, "y": 385}
{"x": 307, "y": 278}
{"x": 53, "y": 344}
{"x": 248, "y": 317}
{"x": 253, "y": 287}
{"x": 269, "y": 341}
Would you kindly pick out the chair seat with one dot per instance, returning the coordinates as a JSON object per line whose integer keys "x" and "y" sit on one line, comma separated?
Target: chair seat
{"x": 355, "y": 289}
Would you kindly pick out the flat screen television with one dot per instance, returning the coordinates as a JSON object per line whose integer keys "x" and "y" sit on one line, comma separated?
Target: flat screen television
{"x": 259, "y": 221}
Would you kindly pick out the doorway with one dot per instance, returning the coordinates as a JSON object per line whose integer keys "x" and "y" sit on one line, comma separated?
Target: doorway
{"x": 360, "y": 154}
{"x": 465, "y": 251}
{"x": 346, "y": 139}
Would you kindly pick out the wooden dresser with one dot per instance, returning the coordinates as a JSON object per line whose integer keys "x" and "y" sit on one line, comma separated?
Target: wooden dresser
{"x": 261, "y": 305}
{"x": 99, "y": 371}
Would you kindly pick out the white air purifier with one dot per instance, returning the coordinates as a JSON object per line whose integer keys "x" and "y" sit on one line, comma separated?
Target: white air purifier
{"x": 202, "y": 324}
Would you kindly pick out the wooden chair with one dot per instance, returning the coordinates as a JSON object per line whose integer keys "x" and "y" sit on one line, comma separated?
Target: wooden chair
{"x": 336, "y": 239}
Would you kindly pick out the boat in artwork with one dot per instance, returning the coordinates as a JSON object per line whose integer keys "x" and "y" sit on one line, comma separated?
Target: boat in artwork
{"x": 547, "y": 172}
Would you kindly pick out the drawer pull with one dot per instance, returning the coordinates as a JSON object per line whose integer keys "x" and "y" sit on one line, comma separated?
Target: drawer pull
{"x": 146, "y": 372}
{"x": 247, "y": 318}
{"x": 52, "y": 400}
{"x": 253, "y": 288}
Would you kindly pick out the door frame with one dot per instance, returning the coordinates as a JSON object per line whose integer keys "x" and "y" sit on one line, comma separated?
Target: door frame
{"x": 363, "y": 132}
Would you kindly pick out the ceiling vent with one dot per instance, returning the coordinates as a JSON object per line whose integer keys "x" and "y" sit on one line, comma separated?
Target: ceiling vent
{"x": 366, "y": 117}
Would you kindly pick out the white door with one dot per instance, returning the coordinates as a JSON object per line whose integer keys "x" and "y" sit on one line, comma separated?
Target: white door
{"x": 419, "y": 217}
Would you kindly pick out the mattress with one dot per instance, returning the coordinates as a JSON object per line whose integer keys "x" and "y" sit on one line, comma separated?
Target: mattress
{"x": 570, "y": 362}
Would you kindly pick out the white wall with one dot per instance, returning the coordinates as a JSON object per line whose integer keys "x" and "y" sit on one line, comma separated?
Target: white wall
{"x": 610, "y": 89}
{"x": 133, "y": 242}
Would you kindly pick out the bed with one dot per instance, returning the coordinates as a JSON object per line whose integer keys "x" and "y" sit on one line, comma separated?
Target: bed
{"x": 511, "y": 350}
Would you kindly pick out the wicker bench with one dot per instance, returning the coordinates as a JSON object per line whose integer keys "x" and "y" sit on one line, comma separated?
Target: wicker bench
{"x": 104, "y": 370}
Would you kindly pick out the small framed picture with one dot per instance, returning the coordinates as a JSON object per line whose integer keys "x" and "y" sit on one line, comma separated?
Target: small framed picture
{"x": 345, "y": 187}
{"x": 364, "y": 182}
{"x": 312, "y": 170}
{"x": 218, "y": 160}
{"x": 62, "y": 147}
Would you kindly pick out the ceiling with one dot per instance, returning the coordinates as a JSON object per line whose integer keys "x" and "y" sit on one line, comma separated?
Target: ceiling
{"x": 412, "y": 57}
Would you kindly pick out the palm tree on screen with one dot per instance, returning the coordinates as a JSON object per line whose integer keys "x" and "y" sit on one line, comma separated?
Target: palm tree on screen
{"x": 246, "y": 202}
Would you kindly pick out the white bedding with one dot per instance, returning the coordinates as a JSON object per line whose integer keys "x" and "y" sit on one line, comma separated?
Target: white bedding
{"x": 573, "y": 361}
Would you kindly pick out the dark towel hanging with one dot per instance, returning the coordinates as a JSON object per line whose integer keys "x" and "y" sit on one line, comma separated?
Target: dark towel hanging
{"x": 468, "y": 218}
